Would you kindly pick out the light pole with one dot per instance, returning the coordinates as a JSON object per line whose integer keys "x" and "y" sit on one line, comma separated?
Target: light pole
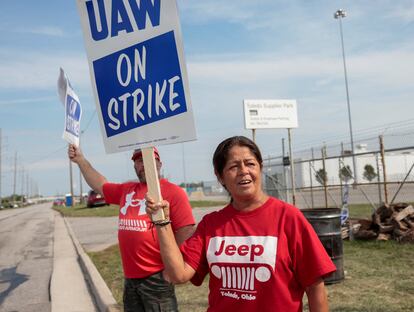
{"x": 339, "y": 15}
{"x": 184, "y": 175}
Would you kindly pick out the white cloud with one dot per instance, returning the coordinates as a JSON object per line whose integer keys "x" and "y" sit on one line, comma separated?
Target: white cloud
{"x": 37, "y": 71}
{"x": 52, "y": 31}
{"x": 250, "y": 69}
{"x": 26, "y": 100}
{"x": 266, "y": 15}
{"x": 204, "y": 11}
{"x": 406, "y": 13}
{"x": 49, "y": 165}
{"x": 392, "y": 68}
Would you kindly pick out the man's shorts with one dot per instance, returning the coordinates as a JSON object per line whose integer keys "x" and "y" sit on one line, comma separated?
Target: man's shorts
{"x": 150, "y": 294}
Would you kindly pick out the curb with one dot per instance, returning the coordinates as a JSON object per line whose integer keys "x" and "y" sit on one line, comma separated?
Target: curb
{"x": 103, "y": 297}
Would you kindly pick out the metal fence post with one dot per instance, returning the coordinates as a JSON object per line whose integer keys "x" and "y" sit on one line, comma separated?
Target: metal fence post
{"x": 310, "y": 179}
{"x": 325, "y": 189}
{"x": 284, "y": 171}
{"x": 292, "y": 168}
{"x": 378, "y": 180}
{"x": 340, "y": 179}
{"x": 384, "y": 172}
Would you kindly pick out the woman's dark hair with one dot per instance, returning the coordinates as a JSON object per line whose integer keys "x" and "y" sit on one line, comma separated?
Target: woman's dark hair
{"x": 221, "y": 154}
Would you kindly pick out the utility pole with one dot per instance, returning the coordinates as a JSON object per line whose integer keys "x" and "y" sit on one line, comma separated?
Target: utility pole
{"x": 71, "y": 180}
{"x": 184, "y": 173}
{"x": 80, "y": 175}
{"x": 27, "y": 186}
{"x": 339, "y": 15}
{"x": 14, "y": 179}
{"x": 22, "y": 187}
{"x": 32, "y": 188}
{"x": 37, "y": 189}
{"x": 0, "y": 170}
{"x": 80, "y": 187}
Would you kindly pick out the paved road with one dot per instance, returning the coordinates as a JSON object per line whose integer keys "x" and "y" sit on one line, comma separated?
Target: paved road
{"x": 97, "y": 233}
{"x": 39, "y": 269}
{"x": 26, "y": 258}
{"x": 39, "y": 265}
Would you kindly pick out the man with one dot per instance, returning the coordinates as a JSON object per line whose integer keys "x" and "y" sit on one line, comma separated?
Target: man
{"x": 144, "y": 289}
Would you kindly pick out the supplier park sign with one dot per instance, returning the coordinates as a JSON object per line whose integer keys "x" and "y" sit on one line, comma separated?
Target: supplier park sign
{"x": 270, "y": 114}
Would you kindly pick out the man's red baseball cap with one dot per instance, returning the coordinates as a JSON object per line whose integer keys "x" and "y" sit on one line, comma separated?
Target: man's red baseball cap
{"x": 138, "y": 153}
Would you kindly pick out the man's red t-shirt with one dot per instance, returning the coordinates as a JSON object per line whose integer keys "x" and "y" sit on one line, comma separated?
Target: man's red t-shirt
{"x": 138, "y": 242}
{"x": 258, "y": 261}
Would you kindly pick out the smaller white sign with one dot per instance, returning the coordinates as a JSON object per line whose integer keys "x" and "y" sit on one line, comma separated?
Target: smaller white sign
{"x": 73, "y": 110}
{"x": 61, "y": 85}
{"x": 270, "y": 114}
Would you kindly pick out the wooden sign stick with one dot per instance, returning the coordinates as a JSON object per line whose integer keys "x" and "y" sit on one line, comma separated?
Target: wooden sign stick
{"x": 153, "y": 183}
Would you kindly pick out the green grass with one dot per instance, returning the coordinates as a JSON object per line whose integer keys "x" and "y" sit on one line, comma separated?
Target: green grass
{"x": 192, "y": 298}
{"x": 378, "y": 275}
{"x": 206, "y": 203}
{"x": 83, "y": 211}
{"x": 378, "y": 278}
{"x": 80, "y": 210}
{"x": 108, "y": 263}
{"x": 360, "y": 211}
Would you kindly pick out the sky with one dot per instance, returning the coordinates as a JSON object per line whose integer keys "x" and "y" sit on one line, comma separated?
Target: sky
{"x": 234, "y": 50}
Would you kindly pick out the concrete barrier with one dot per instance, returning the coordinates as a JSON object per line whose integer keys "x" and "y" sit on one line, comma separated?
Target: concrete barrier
{"x": 104, "y": 299}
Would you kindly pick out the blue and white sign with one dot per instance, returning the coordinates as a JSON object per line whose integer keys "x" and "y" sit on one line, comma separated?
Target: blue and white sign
{"x": 138, "y": 72}
{"x": 73, "y": 109}
{"x": 345, "y": 201}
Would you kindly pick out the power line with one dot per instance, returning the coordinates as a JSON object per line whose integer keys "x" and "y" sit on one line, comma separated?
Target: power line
{"x": 89, "y": 122}
{"x": 398, "y": 128}
{"x": 63, "y": 147}
{"x": 48, "y": 155}
{"x": 363, "y": 133}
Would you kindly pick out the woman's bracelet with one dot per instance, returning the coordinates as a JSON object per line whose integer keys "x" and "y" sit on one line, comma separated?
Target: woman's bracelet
{"x": 161, "y": 222}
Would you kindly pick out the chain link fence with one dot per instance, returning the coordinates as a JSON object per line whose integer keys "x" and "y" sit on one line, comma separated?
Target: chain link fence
{"x": 324, "y": 177}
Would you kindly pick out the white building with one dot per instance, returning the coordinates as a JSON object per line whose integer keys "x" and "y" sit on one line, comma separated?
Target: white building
{"x": 397, "y": 165}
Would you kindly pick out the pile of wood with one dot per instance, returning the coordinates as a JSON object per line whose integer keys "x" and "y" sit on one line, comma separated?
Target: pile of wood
{"x": 394, "y": 221}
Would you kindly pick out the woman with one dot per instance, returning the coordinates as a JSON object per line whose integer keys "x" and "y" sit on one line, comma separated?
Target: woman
{"x": 261, "y": 253}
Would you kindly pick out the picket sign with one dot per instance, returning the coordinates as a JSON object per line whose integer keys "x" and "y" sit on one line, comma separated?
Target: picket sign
{"x": 151, "y": 176}
{"x": 138, "y": 72}
{"x": 138, "y": 76}
{"x": 73, "y": 109}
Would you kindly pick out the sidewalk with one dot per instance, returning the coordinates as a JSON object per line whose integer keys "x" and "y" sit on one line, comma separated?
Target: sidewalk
{"x": 76, "y": 285}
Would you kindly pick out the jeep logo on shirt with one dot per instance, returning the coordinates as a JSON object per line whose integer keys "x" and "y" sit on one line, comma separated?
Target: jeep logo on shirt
{"x": 243, "y": 249}
{"x": 239, "y": 262}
